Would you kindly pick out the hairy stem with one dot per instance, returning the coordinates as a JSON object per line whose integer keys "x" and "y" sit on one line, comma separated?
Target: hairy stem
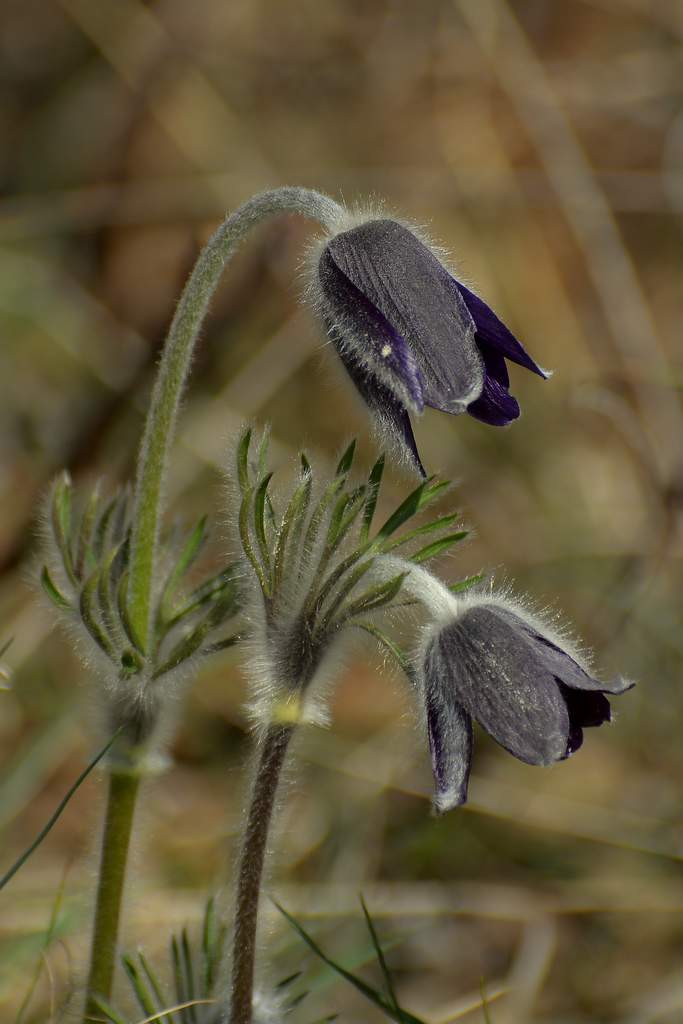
{"x": 123, "y": 791}
{"x": 270, "y": 761}
{"x": 173, "y": 372}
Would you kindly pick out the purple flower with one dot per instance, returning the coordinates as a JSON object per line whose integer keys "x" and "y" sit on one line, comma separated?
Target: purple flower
{"x": 410, "y": 335}
{"x": 494, "y": 664}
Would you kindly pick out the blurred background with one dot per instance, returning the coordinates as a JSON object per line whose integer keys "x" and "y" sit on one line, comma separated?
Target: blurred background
{"x": 542, "y": 143}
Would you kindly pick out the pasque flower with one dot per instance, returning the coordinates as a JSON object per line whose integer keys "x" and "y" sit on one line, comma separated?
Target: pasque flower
{"x": 494, "y": 663}
{"x": 409, "y": 334}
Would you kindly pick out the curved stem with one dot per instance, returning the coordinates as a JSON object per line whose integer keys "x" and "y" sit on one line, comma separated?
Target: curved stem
{"x": 272, "y": 756}
{"x": 173, "y": 372}
{"x": 422, "y": 585}
{"x": 123, "y": 791}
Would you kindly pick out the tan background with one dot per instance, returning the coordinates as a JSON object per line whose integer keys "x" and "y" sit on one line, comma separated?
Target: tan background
{"x": 542, "y": 143}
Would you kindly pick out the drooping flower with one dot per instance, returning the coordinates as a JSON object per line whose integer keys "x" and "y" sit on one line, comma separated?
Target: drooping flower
{"x": 493, "y": 663}
{"x": 409, "y": 334}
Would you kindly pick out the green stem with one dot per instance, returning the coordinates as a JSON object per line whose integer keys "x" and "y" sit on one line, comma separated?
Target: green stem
{"x": 123, "y": 790}
{"x": 173, "y": 372}
{"x": 272, "y": 756}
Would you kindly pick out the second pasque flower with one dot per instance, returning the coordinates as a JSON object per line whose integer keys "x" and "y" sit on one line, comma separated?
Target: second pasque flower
{"x": 496, "y": 664}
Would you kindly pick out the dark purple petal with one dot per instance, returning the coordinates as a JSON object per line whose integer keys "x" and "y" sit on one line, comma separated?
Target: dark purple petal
{"x": 496, "y": 406}
{"x": 586, "y": 708}
{"x": 384, "y": 350}
{"x": 575, "y": 740}
{"x": 450, "y": 735}
{"x": 492, "y": 331}
{"x": 561, "y": 664}
{"x": 392, "y": 416}
{"x": 494, "y": 365}
{"x": 406, "y": 283}
{"x": 491, "y": 669}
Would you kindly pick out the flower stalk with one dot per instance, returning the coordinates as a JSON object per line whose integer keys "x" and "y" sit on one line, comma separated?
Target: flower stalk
{"x": 173, "y": 372}
{"x": 118, "y": 826}
{"x": 312, "y": 555}
{"x": 270, "y": 760}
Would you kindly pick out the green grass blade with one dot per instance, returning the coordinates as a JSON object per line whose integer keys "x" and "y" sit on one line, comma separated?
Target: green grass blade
{"x": 484, "y": 1001}
{"x": 400, "y": 1016}
{"x": 178, "y": 976}
{"x": 285, "y": 982}
{"x": 188, "y": 971}
{"x": 142, "y": 993}
{"x": 110, "y": 1014}
{"x": 391, "y": 994}
{"x": 54, "y": 818}
{"x": 155, "y": 985}
{"x": 45, "y": 945}
{"x": 209, "y": 952}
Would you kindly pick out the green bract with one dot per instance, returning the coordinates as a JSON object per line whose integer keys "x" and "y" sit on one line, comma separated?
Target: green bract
{"x": 313, "y": 554}
{"x": 86, "y": 577}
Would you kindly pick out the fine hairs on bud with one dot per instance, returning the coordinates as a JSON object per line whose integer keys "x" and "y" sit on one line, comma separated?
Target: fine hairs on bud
{"x": 284, "y": 652}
